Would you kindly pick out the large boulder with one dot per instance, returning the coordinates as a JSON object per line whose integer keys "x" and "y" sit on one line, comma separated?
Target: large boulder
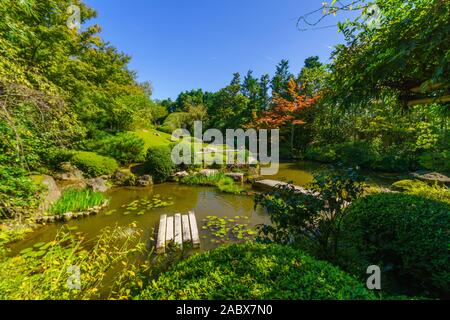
{"x": 145, "y": 180}
{"x": 69, "y": 172}
{"x": 209, "y": 172}
{"x": 124, "y": 178}
{"x": 181, "y": 174}
{"x": 52, "y": 192}
{"x": 97, "y": 184}
{"x": 432, "y": 177}
{"x": 236, "y": 176}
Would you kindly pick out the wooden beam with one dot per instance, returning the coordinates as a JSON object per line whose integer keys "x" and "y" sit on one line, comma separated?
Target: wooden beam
{"x": 186, "y": 229}
{"x": 169, "y": 229}
{"x": 178, "y": 234}
{"x": 429, "y": 100}
{"x": 194, "y": 230}
{"x": 161, "y": 240}
{"x": 431, "y": 87}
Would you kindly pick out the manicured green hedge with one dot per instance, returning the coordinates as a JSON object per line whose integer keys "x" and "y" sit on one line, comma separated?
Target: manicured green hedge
{"x": 255, "y": 271}
{"x": 407, "y": 235}
{"x": 93, "y": 164}
{"x": 159, "y": 163}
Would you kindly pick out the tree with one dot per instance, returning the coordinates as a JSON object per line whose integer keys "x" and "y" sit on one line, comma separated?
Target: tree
{"x": 286, "y": 111}
{"x": 236, "y": 81}
{"x": 407, "y": 55}
{"x": 281, "y": 79}
{"x": 313, "y": 76}
{"x": 264, "y": 85}
{"x": 227, "y": 107}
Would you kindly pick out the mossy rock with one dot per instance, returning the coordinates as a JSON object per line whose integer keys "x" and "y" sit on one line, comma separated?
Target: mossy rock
{"x": 408, "y": 185}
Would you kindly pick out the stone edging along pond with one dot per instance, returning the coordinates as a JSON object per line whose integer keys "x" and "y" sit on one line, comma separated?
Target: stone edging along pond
{"x": 71, "y": 215}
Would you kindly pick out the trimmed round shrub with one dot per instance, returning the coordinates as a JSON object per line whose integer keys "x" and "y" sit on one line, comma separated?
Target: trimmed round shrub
{"x": 407, "y": 235}
{"x": 93, "y": 164}
{"x": 125, "y": 147}
{"x": 255, "y": 271}
{"x": 159, "y": 163}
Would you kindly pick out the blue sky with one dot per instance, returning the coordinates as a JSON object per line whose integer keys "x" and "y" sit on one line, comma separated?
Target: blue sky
{"x": 181, "y": 45}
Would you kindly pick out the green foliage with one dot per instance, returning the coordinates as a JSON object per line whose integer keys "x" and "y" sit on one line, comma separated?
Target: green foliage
{"x": 408, "y": 50}
{"x": 227, "y": 185}
{"x": 408, "y": 185}
{"x": 126, "y": 148}
{"x": 422, "y": 189}
{"x": 93, "y": 164}
{"x": 326, "y": 154}
{"x": 311, "y": 219}
{"x": 365, "y": 154}
{"x": 159, "y": 163}
{"x": 407, "y": 235}
{"x": 77, "y": 200}
{"x": 436, "y": 161}
{"x": 255, "y": 272}
{"x": 42, "y": 272}
{"x": 17, "y": 193}
{"x": 200, "y": 179}
{"x": 220, "y": 180}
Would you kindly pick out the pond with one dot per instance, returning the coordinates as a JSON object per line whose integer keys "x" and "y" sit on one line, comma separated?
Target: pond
{"x": 204, "y": 201}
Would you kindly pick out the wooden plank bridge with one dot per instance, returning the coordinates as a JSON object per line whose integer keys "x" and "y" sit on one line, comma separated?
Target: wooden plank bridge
{"x": 178, "y": 229}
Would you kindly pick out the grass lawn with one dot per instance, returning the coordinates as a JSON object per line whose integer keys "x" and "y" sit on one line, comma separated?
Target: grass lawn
{"x": 153, "y": 137}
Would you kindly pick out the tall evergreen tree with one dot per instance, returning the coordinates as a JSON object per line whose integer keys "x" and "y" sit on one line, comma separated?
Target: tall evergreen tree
{"x": 264, "y": 87}
{"x": 236, "y": 82}
{"x": 250, "y": 87}
{"x": 281, "y": 79}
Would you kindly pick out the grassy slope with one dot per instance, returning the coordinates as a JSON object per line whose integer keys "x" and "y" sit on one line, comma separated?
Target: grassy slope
{"x": 153, "y": 137}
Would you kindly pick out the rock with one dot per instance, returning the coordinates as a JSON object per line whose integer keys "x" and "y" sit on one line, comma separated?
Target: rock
{"x": 209, "y": 172}
{"x": 181, "y": 174}
{"x": 68, "y": 216}
{"x": 432, "y": 177}
{"x": 269, "y": 185}
{"x": 124, "y": 178}
{"x": 97, "y": 184}
{"x": 236, "y": 176}
{"x": 51, "y": 195}
{"x": 252, "y": 161}
{"x": 145, "y": 180}
{"x": 69, "y": 172}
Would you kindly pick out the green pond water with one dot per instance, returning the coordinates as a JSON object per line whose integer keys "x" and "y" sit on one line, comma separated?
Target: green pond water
{"x": 204, "y": 201}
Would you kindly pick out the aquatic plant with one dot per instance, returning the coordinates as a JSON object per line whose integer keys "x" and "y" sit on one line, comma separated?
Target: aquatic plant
{"x": 45, "y": 270}
{"x": 220, "y": 180}
{"x": 142, "y": 206}
{"x": 76, "y": 200}
{"x": 224, "y": 230}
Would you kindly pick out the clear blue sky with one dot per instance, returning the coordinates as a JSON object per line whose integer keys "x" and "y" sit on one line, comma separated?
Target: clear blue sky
{"x": 181, "y": 45}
